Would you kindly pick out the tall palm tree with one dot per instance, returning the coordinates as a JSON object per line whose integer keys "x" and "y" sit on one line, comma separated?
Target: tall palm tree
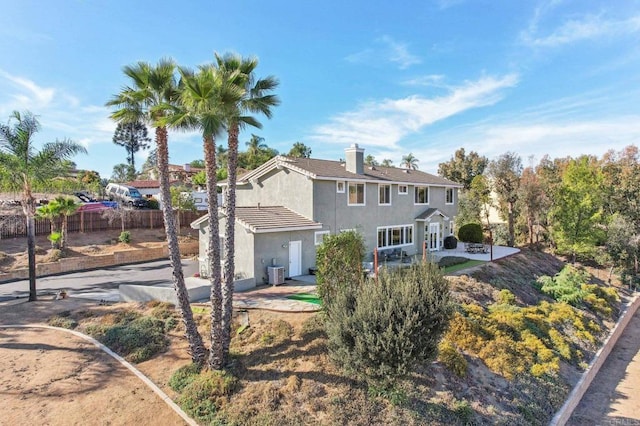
{"x": 151, "y": 97}
{"x": 24, "y": 166}
{"x": 409, "y": 161}
{"x": 255, "y": 146}
{"x": 205, "y": 96}
{"x": 255, "y": 99}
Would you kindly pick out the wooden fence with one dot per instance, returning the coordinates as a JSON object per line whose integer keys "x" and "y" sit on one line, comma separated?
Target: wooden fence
{"x": 12, "y": 226}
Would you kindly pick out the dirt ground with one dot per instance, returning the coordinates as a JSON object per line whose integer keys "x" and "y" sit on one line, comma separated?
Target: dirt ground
{"x": 613, "y": 398}
{"x": 13, "y": 253}
{"x": 54, "y": 378}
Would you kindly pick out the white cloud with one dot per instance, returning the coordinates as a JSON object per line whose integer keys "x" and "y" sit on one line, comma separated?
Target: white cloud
{"x": 387, "y": 122}
{"x": 387, "y": 50}
{"x": 26, "y": 94}
{"x": 434, "y": 80}
{"x": 575, "y": 30}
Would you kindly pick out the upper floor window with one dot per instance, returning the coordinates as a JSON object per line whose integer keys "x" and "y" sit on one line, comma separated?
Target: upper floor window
{"x": 384, "y": 194}
{"x": 448, "y": 196}
{"x": 356, "y": 194}
{"x": 421, "y": 195}
{"x": 340, "y": 187}
{"x": 403, "y": 189}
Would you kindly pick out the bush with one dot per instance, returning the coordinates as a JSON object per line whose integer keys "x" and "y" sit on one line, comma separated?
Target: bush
{"x": 56, "y": 239}
{"x": 136, "y": 339}
{"x": 471, "y": 233}
{"x": 63, "y": 320}
{"x": 184, "y": 376}
{"x": 565, "y": 286}
{"x": 451, "y": 260}
{"x": 339, "y": 262}
{"x": 125, "y": 237}
{"x": 452, "y": 359}
{"x": 204, "y": 396}
{"x": 450, "y": 242}
{"x": 153, "y": 204}
{"x": 379, "y": 331}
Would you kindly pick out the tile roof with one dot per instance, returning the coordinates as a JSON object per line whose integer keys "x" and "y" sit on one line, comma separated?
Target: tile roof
{"x": 335, "y": 170}
{"x": 262, "y": 219}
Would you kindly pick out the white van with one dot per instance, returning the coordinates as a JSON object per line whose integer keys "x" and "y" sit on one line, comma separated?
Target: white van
{"x": 125, "y": 194}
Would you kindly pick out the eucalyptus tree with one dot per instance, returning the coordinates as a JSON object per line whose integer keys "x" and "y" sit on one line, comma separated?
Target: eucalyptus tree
{"x": 255, "y": 99}
{"x": 151, "y": 97}
{"x": 23, "y": 166}
{"x": 505, "y": 173}
{"x": 205, "y": 99}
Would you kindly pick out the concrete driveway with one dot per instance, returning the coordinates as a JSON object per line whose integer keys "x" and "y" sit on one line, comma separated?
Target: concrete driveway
{"x": 99, "y": 284}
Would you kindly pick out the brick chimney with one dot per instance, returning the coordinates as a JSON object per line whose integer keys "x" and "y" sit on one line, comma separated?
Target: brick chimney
{"x": 354, "y": 159}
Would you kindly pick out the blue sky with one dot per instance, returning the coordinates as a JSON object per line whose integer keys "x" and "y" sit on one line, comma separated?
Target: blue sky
{"x": 428, "y": 77}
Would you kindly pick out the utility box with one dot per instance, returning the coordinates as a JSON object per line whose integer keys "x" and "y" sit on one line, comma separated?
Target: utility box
{"x": 276, "y": 275}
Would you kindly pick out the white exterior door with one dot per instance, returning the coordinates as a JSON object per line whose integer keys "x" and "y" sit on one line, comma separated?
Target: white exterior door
{"x": 433, "y": 237}
{"x": 295, "y": 258}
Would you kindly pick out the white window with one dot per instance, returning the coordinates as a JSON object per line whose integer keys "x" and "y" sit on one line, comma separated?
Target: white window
{"x": 356, "y": 194}
{"x": 319, "y": 236}
{"x": 340, "y": 187}
{"x": 403, "y": 189}
{"x": 395, "y": 236}
{"x": 452, "y": 225}
{"x": 448, "y": 196}
{"x": 421, "y": 195}
{"x": 384, "y": 195}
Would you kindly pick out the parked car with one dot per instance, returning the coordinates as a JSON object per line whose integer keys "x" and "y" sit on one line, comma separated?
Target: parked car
{"x": 127, "y": 195}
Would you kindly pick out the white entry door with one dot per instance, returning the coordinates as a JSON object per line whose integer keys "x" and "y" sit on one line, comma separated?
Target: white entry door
{"x": 433, "y": 237}
{"x": 295, "y": 258}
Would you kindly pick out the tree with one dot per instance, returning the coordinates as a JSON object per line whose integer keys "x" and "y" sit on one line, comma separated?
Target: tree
{"x": 66, "y": 206}
{"x": 623, "y": 245}
{"x": 121, "y": 173}
{"x": 409, "y": 161}
{"x": 463, "y": 168}
{"x": 505, "y": 173}
{"x": 198, "y": 164}
{"x": 51, "y": 212}
{"x": 150, "y": 98}
{"x": 386, "y": 163}
{"x": 149, "y": 168}
{"x": 23, "y": 166}
{"x": 577, "y": 213}
{"x": 480, "y": 190}
{"x": 300, "y": 150}
{"x": 256, "y": 98}
{"x": 133, "y": 137}
{"x": 532, "y": 203}
{"x": 370, "y": 160}
{"x": 255, "y": 148}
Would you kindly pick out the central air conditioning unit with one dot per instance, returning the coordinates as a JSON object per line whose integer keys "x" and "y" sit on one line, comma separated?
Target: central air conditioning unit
{"x": 276, "y": 275}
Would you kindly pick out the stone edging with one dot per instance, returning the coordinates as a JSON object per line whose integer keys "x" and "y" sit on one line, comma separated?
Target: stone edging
{"x": 120, "y": 257}
{"x": 563, "y": 415}
{"x": 122, "y": 361}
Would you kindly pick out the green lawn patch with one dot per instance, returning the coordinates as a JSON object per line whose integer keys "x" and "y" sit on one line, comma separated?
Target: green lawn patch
{"x": 460, "y": 266}
{"x": 306, "y": 297}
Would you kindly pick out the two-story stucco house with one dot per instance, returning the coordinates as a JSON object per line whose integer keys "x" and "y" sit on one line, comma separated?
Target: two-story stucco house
{"x": 287, "y": 206}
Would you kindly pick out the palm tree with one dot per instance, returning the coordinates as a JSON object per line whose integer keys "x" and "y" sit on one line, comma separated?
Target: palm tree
{"x": 386, "y": 163}
{"x": 51, "y": 212}
{"x": 24, "y": 166}
{"x": 255, "y": 99}
{"x": 255, "y": 146}
{"x": 204, "y": 98}
{"x": 151, "y": 97}
{"x": 409, "y": 161}
{"x": 66, "y": 206}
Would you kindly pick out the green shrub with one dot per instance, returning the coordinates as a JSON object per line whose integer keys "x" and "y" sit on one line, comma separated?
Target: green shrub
{"x": 63, "y": 320}
{"x": 451, "y": 260}
{"x": 153, "y": 204}
{"x": 452, "y": 359}
{"x": 56, "y": 239}
{"x": 379, "y": 331}
{"x": 183, "y": 376}
{"x": 137, "y": 339}
{"x": 463, "y": 411}
{"x": 471, "y": 233}
{"x": 505, "y": 297}
{"x": 339, "y": 262}
{"x": 125, "y": 237}
{"x": 565, "y": 286}
{"x": 204, "y": 396}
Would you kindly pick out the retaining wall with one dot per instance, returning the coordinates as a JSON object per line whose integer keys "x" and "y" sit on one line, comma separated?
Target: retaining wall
{"x": 120, "y": 257}
{"x": 562, "y": 416}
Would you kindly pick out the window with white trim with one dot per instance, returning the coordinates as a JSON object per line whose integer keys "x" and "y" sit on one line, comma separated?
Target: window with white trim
{"x": 395, "y": 236}
{"x": 403, "y": 189}
{"x": 319, "y": 236}
{"x": 356, "y": 194}
{"x": 384, "y": 194}
{"x": 340, "y": 187}
{"x": 448, "y": 196}
{"x": 421, "y": 195}
{"x": 452, "y": 225}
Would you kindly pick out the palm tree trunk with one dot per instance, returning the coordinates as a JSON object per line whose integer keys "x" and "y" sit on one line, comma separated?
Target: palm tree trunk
{"x": 196, "y": 346}
{"x": 29, "y": 208}
{"x": 229, "y": 242}
{"x": 216, "y": 355}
